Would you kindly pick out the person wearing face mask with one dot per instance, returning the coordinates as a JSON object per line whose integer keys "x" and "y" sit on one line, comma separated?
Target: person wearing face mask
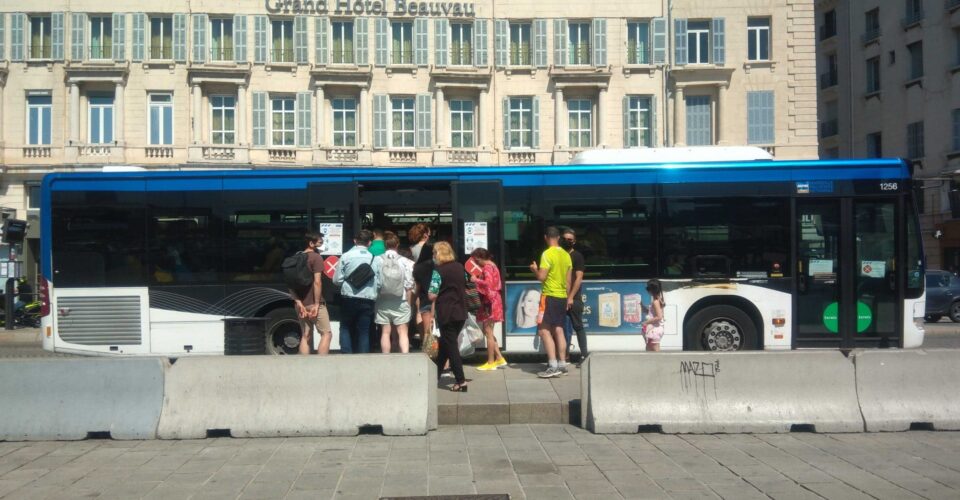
{"x": 568, "y": 241}
{"x": 308, "y": 301}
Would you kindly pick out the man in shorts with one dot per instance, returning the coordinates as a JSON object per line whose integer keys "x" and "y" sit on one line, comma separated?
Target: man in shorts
{"x": 308, "y": 301}
{"x": 554, "y": 272}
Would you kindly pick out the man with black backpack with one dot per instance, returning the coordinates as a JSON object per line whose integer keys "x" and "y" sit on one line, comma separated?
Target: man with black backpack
{"x": 302, "y": 272}
{"x": 395, "y": 280}
{"x": 358, "y": 291}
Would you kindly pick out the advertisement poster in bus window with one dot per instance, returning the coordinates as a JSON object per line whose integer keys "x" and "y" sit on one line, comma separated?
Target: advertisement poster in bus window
{"x": 332, "y": 238}
{"x": 609, "y": 307}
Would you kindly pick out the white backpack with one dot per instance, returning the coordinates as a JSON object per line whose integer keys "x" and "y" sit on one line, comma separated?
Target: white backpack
{"x": 391, "y": 276}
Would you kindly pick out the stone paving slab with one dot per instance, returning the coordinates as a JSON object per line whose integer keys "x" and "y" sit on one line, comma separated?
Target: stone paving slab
{"x": 525, "y": 461}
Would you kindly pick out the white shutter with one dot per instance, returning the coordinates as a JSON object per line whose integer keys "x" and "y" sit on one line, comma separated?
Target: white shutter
{"x": 423, "y": 120}
{"x": 719, "y": 51}
{"x": 379, "y": 121}
{"x": 536, "y": 123}
{"x": 441, "y": 27}
{"x": 240, "y": 38}
{"x": 304, "y": 120}
{"x": 540, "y": 43}
{"x": 78, "y": 29}
{"x": 653, "y": 122}
{"x": 3, "y": 35}
{"x": 361, "y": 41}
{"x": 139, "y": 37}
{"x": 259, "y": 118}
{"x": 560, "y": 29}
{"x": 260, "y": 39}
{"x": 57, "y": 36}
{"x": 17, "y": 38}
{"x": 200, "y": 37}
{"x": 599, "y": 42}
{"x": 421, "y": 40}
{"x": 480, "y": 43}
{"x": 680, "y": 41}
{"x": 626, "y": 122}
{"x": 506, "y": 123}
{"x": 321, "y": 30}
{"x": 180, "y": 37}
{"x": 659, "y": 40}
{"x": 381, "y": 42}
{"x": 301, "y": 44}
{"x": 119, "y": 37}
{"x": 501, "y": 40}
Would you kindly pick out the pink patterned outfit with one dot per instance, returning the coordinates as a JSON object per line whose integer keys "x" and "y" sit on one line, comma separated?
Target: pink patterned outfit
{"x": 489, "y": 286}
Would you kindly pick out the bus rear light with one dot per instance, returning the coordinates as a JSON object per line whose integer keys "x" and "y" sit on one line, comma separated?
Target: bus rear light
{"x": 49, "y": 331}
{"x": 779, "y": 318}
{"x": 44, "y": 298}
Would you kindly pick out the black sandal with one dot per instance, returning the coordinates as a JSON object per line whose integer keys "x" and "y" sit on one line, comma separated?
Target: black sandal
{"x": 459, "y": 388}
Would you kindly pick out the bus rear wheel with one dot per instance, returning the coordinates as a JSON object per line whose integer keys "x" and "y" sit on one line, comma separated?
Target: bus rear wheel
{"x": 721, "y": 328}
{"x": 283, "y": 332}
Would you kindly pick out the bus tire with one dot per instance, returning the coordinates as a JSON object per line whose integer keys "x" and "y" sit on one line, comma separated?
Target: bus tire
{"x": 955, "y": 312}
{"x": 283, "y": 331}
{"x": 932, "y": 318}
{"x": 721, "y": 328}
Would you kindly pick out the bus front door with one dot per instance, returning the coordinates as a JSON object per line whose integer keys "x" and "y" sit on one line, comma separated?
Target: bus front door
{"x": 846, "y": 285}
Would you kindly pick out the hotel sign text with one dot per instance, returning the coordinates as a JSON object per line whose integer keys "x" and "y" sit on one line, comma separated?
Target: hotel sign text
{"x": 371, "y": 8}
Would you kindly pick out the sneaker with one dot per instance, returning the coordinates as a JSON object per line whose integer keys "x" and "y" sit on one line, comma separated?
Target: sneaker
{"x": 563, "y": 370}
{"x": 486, "y": 367}
{"x": 500, "y": 362}
{"x": 550, "y": 372}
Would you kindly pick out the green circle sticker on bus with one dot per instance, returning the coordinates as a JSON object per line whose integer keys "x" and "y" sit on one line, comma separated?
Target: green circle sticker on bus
{"x": 831, "y": 314}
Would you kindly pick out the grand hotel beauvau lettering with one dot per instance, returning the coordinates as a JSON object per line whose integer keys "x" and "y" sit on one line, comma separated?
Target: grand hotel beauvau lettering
{"x": 371, "y": 8}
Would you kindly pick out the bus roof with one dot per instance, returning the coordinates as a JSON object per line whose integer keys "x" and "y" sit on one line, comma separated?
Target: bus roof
{"x": 695, "y": 154}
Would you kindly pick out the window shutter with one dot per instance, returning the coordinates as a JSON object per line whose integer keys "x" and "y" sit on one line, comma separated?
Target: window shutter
{"x": 119, "y": 37}
{"x": 260, "y": 39}
{"x": 380, "y": 121}
{"x": 320, "y": 29}
{"x": 506, "y": 123}
{"x": 539, "y": 35}
{"x": 480, "y": 43}
{"x": 301, "y": 45}
{"x": 260, "y": 118}
{"x": 78, "y": 28}
{"x": 424, "y": 117}
{"x": 719, "y": 52}
{"x": 361, "y": 41}
{"x": 659, "y": 40}
{"x": 560, "y": 29}
{"x": 653, "y": 122}
{"x": 536, "y": 122}
{"x": 16, "y": 36}
{"x": 680, "y": 41}
{"x": 240, "y": 39}
{"x": 440, "y": 29}
{"x": 3, "y": 36}
{"x": 304, "y": 137}
{"x": 626, "y": 122}
{"x": 56, "y": 25}
{"x": 199, "y": 38}
{"x": 599, "y": 42}
{"x": 381, "y": 46}
{"x": 139, "y": 37}
{"x": 180, "y": 38}
{"x": 421, "y": 41}
{"x": 501, "y": 38}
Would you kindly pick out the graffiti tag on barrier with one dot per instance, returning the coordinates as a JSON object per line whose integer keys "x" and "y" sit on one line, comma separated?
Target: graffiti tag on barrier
{"x": 700, "y": 377}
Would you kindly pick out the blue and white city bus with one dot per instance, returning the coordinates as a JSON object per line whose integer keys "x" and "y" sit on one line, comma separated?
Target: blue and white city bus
{"x": 754, "y": 254}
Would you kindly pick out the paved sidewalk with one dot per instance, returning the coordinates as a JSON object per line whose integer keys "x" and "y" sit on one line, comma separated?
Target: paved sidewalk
{"x": 527, "y": 461}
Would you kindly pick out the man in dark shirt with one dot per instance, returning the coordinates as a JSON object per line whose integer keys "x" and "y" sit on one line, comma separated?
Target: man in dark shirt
{"x": 575, "y": 301}
{"x": 309, "y": 303}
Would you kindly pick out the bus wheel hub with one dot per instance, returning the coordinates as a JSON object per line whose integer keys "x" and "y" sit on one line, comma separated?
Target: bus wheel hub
{"x": 722, "y": 335}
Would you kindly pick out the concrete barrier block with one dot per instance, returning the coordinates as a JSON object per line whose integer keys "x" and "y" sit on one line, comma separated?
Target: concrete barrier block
{"x": 67, "y": 399}
{"x": 260, "y": 396}
{"x": 900, "y": 388}
{"x": 721, "y": 393}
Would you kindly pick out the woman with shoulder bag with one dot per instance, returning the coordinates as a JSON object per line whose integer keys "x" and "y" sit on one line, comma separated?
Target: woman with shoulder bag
{"x": 491, "y": 309}
{"x": 450, "y": 310}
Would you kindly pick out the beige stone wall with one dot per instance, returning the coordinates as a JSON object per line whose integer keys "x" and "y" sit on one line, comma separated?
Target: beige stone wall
{"x": 790, "y": 74}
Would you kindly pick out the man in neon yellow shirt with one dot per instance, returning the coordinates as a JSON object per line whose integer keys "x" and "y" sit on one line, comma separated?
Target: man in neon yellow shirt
{"x": 554, "y": 272}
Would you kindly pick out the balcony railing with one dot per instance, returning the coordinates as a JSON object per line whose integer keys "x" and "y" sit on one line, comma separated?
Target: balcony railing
{"x": 285, "y": 155}
{"x": 829, "y": 128}
{"x": 401, "y": 57}
{"x": 162, "y": 53}
{"x": 827, "y": 31}
{"x": 96, "y": 150}
{"x": 221, "y": 54}
{"x": 343, "y": 155}
{"x": 636, "y": 56}
{"x": 403, "y": 156}
{"x": 104, "y": 51}
{"x": 158, "y": 152}
{"x": 281, "y": 55}
{"x": 828, "y": 80}
{"x": 36, "y": 152}
{"x": 342, "y": 56}
{"x": 462, "y": 156}
{"x": 219, "y": 153}
{"x": 462, "y": 57}
{"x": 522, "y": 157}
{"x": 43, "y": 51}
{"x": 870, "y": 35}
{"x": 912, "y": 17}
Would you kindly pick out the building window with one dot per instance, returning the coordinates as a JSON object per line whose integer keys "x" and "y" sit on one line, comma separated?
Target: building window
{"x": 874, "y": 145}
{"x": 33, "y": 196}
{"x": 955, "y": 115}
{"x": 915, "y": 141}
{"x": 829, "y": 27}
{"x": 403, "y": 125}
{"x": 758, "y": 37}
{"x": 830, "y": 125}
{"x": 160, "y": 130}
{"x": 639, "y": 121}
{"x": 161, "y": 37}
{"x": 283, "y": 123}
{"x": 698, "y": 42}
{"x": 461, "y": 123}
{"x": 580, "y": 121}
{"x": 914, "y": 11}
{"x": 699, "y": 121}
{"x": 916, "y": 60}
{"x": 871, "y": 24}
{"x": 221, "y": 39}
{"x": 461, "y": 44}
{"x": 100, "y": 112}
{"x": 829, "y": 79}
{"x": 520, "y": 122}
{"x": 578, "y": 45}
{"x": 873, "y": 75}
{"x": 760, "y": 117}
{"x": 281, "y": 40}
{"x": 638, "y": 42}
{"x": 39, "y": 110}
{"x": 101, "y": 37}
{"x": 344, "y": 122}
{"x": 41, "y": 44}
{"x": 520, "y": 44}
{"x": 402, "y": 42}
{"x": 223, "y": 126}
{"x": 342, "y": 42}
{"x": 956, "y": 48}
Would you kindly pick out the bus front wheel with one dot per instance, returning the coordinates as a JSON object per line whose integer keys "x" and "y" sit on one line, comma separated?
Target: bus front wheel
{"x": 283, "y": 332}
{"x": 721, "y": 328}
